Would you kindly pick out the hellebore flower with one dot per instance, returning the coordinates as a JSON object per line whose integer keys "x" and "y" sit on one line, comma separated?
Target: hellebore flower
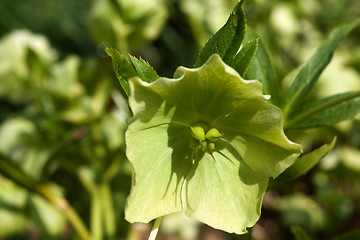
{"x": 205, "y": 143}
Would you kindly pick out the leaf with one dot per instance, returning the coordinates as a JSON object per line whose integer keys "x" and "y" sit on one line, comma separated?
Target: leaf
{"x": 222, "y": 185}
{"x": 226, "y": 42}
{"x": 123, "y": 69}
{"x": 309, "y": 74}
{"x": 299, "y": 233}
{"x": 13, "y": 201}
{"x": 298, "y": 209}
{"x": 355, "y": 234}
{"x": 244, "y": 57}
{"x": 326, "y": 111}
{"x": 143, "y": 68}
{"x": 303, "y": 164}
{"x": 261, "y": 68}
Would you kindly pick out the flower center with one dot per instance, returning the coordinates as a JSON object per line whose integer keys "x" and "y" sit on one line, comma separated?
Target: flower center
{"x": 203, "y": 137}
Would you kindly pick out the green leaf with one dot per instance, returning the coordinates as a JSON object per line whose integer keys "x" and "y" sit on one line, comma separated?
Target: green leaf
{"x": 220, "y": 182}
{"x": 123, "y": 69}
{"x": 226, "y": 42}
{"x": 299, "y": 233}
{"x": 303, "y": 164}
{"x": 309, "y": 74}
{"x": 355, "y": 234}
{"x": 261, "y": 68}
{"x": 244, "y": 57}
{"x": 143, "y": 68}
{"x": 326, "y": 111}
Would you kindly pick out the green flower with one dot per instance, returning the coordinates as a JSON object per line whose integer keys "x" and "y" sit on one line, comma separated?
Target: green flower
{"x": 205, "y": 143}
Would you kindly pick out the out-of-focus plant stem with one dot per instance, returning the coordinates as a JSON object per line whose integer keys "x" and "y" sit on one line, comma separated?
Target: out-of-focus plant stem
{"x": 108, "y": 210}
{"x": 14, "y": 173}
{"x": 96, "y": 225}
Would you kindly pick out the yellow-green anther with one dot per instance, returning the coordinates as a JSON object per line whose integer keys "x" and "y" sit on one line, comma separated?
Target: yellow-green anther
{"x": 213, "y": 135}
{"x": 198, "y": 131}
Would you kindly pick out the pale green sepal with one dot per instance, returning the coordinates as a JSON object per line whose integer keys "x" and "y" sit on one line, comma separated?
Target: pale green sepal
{"x": 149, "y": 106}
{"x": 224, "y": 90}
{"x": 255, "y": 130}
{"x": 161, "y": 159}
{"x": 224, "y": 195}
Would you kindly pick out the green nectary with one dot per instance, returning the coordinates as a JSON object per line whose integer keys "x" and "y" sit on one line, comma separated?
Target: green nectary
{"x": 204, "y": 143}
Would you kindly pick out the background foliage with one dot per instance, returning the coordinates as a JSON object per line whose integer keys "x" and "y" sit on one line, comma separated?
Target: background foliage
{"x": 62, "y": 112}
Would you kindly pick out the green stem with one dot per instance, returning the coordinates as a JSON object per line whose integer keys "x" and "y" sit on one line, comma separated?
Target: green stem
{"x": 63, "y": 205}
{"x": 108, "y": 210}
{"x": 96, "y": 225}
{"x": 155, "y": 228}
{"x": 8, "y": 169}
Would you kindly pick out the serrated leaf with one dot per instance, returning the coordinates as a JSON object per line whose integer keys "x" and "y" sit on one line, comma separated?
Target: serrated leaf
{"x": 262, "y": 69}
{"x": 244, "y": 57}
{"x": 299, "y": 233}
{"x": 326, "y": 111}
{"x": 226, "y": 42}
{"x": 309, "y": 74}
{"x": 303, "y": 164}
{"x": 144, "y": 69}
{"x": 123, "y": 69}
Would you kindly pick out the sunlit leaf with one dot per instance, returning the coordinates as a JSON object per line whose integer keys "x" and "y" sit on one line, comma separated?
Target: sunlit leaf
{"x": 226, "y": 42}
{"x": 309, "y": 74}
{"x": 261, "y": 68}
{"x": 327, "y": 111}
{"x": 123, "y": 69}
{"x": 303, "y": 164}
{"x": 143, "y": 68}
{"x": 244, "y": 57}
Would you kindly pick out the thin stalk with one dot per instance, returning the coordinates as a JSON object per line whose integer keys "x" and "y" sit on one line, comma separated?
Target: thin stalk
{"x": 15, "y": 174}
{"x": 69, "y": 212}
{"x": 108, "y": 210}
{"x": 96, "y": 224}
{"x": 155, "y": 228}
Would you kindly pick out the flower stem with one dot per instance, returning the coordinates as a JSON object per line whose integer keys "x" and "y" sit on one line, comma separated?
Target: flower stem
{"x": 155, "y": 228}
{"x": 11, "y": 171}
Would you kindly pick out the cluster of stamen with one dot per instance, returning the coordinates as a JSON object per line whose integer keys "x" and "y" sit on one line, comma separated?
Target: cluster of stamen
{"x": 204, "y": 138}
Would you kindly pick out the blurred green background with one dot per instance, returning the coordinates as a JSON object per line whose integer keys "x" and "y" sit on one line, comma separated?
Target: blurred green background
{"x": 63, "y": 113}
